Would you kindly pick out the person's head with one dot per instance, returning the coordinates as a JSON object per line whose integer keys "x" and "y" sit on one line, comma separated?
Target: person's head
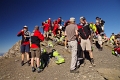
{"x": 60, "y": 17}
{"x": 72, "y": 20}
{"x": 112, "y": 33}
{"x": 49, "y": 18}
{"x": 25, "y": 28}
{"x": 36, "y": 27}
{"x": 82, "y": 20}
{"x": 97, "y": 18}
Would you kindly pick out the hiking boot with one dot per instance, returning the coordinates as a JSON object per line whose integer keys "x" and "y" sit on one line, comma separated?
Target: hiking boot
{"x": 101, "y": 48}
{"x": 82, "y": 63}
{"x": 74, "y": 71}
{"x": 33, "y": 69}
{"x": 39, "y": 70}
{"x": 92, "y": 62}
{"x": 22, "y": 63}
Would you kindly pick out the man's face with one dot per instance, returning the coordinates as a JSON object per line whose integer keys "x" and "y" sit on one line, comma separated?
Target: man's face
{"x": 25, "y": 29}
{"x": 82, "y": 21}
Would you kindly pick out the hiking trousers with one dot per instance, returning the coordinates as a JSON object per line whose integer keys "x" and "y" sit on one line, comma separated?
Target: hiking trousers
{"x": 73, "y": 48}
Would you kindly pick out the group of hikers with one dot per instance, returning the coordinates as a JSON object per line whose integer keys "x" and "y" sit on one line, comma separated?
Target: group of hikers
{"x": 77, "y": 37}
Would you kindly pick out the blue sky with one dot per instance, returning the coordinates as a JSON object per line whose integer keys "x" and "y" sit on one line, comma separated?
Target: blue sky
{"x": 14, "y": 14}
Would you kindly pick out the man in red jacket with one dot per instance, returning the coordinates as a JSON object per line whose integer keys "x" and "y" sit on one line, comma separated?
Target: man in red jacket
{"x": 55, "y": 29}
{"x": 25, "y": 44}
{"x": 50, "y": 24}
{"x": 46, "y": 29}
{"x": 36, "y": 38}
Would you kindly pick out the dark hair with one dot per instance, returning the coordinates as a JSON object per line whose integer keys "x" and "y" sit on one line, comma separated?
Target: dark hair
{"x": 97, "y": 17}
{"x": 36, "y": 27}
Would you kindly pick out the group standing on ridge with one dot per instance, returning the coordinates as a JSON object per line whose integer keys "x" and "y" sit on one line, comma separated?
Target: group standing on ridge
{"x": 78, "y": 38}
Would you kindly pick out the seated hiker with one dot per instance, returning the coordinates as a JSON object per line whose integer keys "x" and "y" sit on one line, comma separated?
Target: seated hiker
{"x": 25, "y": 44}
{"x": 36, "y": 38}
{"x": 116, "y": 50}
{"x": 112, "y": 38}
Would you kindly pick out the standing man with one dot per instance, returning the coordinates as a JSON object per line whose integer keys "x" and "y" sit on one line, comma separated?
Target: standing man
{"x": 85, "y": 33}
{"x": 71, "y": 33}
{"x": 25, "y": 44}
{"x": 36, "y": 38}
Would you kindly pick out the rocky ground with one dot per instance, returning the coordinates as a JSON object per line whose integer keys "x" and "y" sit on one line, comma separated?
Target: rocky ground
{"x": 107, "y": 68}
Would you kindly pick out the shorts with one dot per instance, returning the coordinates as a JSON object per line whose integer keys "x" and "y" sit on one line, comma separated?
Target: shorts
{"x": 85, "y": 44}
{"x": 63, "y": 29}
{"x": 100, "y": 40}
{"x": 35, "y": 52}
{"x": 46, "y": 33}
{"x": 25, "y": 48}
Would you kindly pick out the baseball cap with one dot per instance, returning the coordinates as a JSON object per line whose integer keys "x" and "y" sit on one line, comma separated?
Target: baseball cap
{"x": 72, "y": 19}
{"x": 25, "y": 26}
{"x": 82, "y": 17}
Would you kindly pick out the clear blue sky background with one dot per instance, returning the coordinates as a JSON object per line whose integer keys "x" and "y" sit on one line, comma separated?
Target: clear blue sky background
{"x": 14, "y": 14}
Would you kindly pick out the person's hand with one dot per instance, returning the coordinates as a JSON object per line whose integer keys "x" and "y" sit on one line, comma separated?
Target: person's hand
{"x": 22, "y": 30}
{"x": 24, "y": 36}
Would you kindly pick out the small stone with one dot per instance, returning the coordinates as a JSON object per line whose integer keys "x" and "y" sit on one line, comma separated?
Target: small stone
{"x": 16, "y": 60}
{"x": 90, "y": 66}
{"x": 55, "y": 78}
{"x": 27, "y": 77}
{"x": 84, "y": 76}
{"x": 8, "y": 77}
{"x": 90, "y": 76}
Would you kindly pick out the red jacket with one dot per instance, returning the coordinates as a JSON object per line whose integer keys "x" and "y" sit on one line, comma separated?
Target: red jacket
{"x": 79, "y": 27}
{"x": 118, "y": 50}
{"x": 59, "y": 21}
{"x": 25, "y": 41}
{"x": 49, "y": 21}
{"x": 46, "y": 27}
{"x": 55, "y": 26}
{"x": 36, "y": 38}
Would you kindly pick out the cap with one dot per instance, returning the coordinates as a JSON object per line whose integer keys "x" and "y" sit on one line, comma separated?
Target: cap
{"x": 25, "y": 26}
{"x": 82, "y": 18}
{"x": 72, "y": 19}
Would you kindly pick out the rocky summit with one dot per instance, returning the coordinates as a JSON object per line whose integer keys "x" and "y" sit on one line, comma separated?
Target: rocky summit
{"x": 107, "y": 66}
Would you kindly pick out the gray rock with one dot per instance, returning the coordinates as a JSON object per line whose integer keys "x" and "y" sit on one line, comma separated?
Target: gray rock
{"x": 14, "y": 51}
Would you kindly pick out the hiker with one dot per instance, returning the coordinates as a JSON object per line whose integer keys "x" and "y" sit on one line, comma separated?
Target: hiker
{"x": 25, "y": 44}
{"x": 101, "y": 22}
{"x": 46, "y": 29}
{"x": 59, "y": 21}
{"x": 50, "y": 24}
{"x": 116, "y": 49}
{"x": 55, "y": 28}
{"x": 112, "y": 38}
{"x": 36, "y": 38}
{"x": 84, "y": 35}
{"x": 66, "y": 40}
{"x": 71, "y": 33}
{"x": 99, "y": 35}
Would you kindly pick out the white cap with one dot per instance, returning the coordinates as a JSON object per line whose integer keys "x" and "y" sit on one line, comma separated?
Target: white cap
{"x": 49, "y": 18}
{"x": 72, "y": 19}
{"x": 82, "y": 17}
{"x": 25, "y": 26}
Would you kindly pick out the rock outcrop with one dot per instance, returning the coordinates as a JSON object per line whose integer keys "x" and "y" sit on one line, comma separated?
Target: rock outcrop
{"x": 14, "y": 51}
